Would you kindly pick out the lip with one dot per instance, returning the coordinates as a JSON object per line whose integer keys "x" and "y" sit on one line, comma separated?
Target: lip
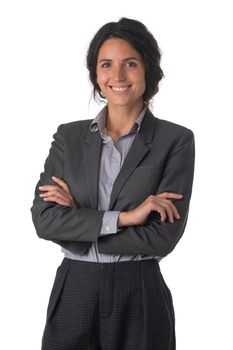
{"x": 122, "y": 87}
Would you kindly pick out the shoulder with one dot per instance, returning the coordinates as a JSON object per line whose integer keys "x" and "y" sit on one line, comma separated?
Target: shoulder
{"x": 174, "y": 129}
{"x": 76, "y": 125}
{"x": 77, "y": 128}
{"x": 173, "y": 138}
{"x": 165, "y": 129}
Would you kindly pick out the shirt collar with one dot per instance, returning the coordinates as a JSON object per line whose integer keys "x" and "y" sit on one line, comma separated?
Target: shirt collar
{"x": 99, "y": 122}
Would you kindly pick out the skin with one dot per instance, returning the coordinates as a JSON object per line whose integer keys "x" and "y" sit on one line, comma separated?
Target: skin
{"x": 120, "y": 65}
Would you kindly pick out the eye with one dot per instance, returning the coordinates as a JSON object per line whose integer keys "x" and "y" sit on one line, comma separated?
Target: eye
{"x": 105, "y": 65}
{"x": 131, "y": 64}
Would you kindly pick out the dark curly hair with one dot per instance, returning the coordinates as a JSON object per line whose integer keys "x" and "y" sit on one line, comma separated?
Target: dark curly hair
{"x": 141, "y": 39}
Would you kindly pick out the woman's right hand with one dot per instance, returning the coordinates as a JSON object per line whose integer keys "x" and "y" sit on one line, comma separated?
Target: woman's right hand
{"x": 161, "y": 203}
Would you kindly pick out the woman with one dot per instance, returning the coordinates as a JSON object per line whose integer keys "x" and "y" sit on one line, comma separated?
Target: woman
{"x": 114, "y": 194}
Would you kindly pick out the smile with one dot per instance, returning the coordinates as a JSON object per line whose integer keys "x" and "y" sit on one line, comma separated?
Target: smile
{"x": 120, "y": 89}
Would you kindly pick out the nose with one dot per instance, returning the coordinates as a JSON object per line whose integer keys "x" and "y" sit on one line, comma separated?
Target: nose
{"x": 118, "y": 73}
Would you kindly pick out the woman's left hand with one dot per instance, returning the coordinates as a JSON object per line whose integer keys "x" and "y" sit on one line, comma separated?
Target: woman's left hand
{"x": 60, "y": 194}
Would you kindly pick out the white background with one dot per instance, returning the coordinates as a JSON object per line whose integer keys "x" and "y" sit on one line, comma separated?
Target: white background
{"x": 44, "y": 82}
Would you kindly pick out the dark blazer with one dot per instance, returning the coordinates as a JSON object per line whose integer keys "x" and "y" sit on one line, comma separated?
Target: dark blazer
{"x": 160, "y": 159}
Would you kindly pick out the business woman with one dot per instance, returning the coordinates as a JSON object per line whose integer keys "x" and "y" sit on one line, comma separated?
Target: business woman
{"x": 115, "y": 194}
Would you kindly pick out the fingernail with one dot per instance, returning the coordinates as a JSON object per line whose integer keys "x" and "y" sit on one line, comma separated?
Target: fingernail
{"x": 53, "y": 177}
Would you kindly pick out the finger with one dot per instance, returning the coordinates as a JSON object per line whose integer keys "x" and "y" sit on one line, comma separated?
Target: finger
{"x": 48, "y": 187}
{"x": 55, "y": 194}
{"x": 157, "y": 206}
{"x": 170, "y": 214}
{"x": 59, "y": 196}
{"x": 166, "y": 205}
{"x": 175, "y": 211}
{"x": 56, "y": 200}
{"x": 62, "y": 183}
{"x": 170, "y": 195}
{"x": 161, "y": 211}
{"x": 52, "y": 191}
{"x": 173, "y": 208}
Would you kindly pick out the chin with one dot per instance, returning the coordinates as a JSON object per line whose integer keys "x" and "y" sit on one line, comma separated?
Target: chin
{"x": 120, "y": 104}
{"x": 123, "y": 102}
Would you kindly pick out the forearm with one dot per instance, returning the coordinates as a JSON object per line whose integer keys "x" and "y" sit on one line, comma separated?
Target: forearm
{"x": 151, "y": 238}
{"x": 59, "y": 222}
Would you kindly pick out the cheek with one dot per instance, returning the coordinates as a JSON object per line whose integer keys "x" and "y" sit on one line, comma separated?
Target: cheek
{"x": 140, "y": 80}
{"x": 101, "y": 78}
{"x": 143, "y": 78}
{"x": 98, "y": 79}
{"x": 98, "y": 76}
{"x": 141, "y": 84}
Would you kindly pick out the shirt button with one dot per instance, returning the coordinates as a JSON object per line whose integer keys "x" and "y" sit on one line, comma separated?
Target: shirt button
{"x": 107, "y": 228}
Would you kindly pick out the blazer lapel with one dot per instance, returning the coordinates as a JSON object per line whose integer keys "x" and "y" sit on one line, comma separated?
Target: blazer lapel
{"x": 138, "y": 150}
{"x": 92, "y": 153}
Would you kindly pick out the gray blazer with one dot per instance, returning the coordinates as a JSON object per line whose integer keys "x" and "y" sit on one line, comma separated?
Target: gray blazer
{"x": 160, "y": 159}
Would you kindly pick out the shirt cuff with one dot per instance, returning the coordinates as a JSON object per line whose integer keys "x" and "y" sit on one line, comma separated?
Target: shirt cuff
{"x": 109, "y": 223}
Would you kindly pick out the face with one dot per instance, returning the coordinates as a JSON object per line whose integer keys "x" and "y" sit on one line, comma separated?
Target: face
{"x": 120, "y": 73}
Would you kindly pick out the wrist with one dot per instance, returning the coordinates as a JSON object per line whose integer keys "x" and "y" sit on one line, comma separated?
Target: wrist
{"x": 124, "y": 219}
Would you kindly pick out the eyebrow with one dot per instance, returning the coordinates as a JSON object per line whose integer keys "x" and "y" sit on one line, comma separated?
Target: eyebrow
{"x": 126, "y": 59}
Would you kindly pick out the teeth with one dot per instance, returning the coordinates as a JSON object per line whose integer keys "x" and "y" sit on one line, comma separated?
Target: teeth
{"x": 119, "y": 88}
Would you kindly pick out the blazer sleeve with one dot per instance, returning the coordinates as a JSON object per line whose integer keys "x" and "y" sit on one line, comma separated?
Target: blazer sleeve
{"x": 61, "y": 223}
{"x": 155, "y": 237}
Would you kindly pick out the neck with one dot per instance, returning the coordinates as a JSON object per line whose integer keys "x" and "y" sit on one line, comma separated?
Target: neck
{"x": 121, "y": 118}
